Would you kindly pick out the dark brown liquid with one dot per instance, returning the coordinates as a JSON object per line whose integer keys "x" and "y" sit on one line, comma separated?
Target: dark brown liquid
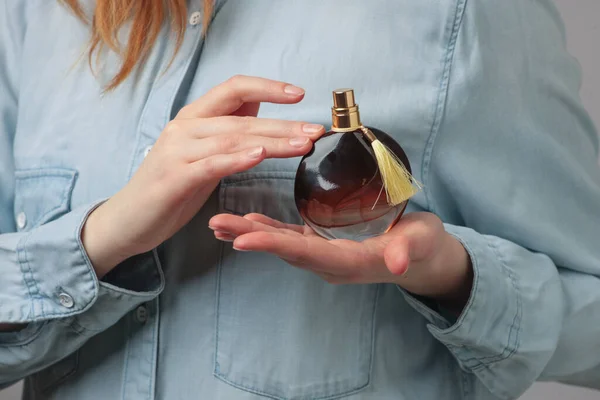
{"x": 338, "y": 188}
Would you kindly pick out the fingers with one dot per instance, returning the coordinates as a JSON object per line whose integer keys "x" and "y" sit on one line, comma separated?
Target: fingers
{"x": 396, "y": 255}
{"x": 421, "y": 231}
{"x": 311, "y": 252}
{"x": 229, "y": 135}
{"x": 229, "y": 96}
{"x": 230, "y": 144}
{"x": 235, "y": 225}
{"x": 208, "y": 127}
{"x": 218, "y": 166}
{"x": 224, "y": 236}
{"x": 247, "y": 110}
{"x": 263, "y": 219}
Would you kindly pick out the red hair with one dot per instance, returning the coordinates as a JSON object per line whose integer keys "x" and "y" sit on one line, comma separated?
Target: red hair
{"x": 147, "y": 18}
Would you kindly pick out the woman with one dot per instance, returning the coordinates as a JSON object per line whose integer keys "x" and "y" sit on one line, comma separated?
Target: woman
{"x": 123, "y": 180}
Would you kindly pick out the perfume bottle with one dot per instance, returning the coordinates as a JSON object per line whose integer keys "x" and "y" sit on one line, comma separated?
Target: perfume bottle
{"x": 344, "y": 188}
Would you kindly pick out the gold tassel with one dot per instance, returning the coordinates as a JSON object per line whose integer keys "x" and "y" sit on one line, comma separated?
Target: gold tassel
{"x": 398, "y": 183}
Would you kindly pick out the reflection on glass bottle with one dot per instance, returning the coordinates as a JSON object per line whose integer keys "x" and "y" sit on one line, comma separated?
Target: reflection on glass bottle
{"x": 339, "y": 190}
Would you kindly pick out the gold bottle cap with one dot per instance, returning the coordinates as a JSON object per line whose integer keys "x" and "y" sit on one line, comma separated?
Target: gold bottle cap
{"x": 344, "y": 113}
{"x": 343, "y": 98}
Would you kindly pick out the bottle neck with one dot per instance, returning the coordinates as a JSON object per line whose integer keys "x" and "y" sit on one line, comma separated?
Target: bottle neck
{"x": 345, "y": 119}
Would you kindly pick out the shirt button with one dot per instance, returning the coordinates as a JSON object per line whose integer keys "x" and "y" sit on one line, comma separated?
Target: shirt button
{"x": 66, "y": 300}
{"x": 21, "y": 220}
{"x": 195, "y": 18}
{"x": 147, "y": 150}
{"x": 141, "y": 314}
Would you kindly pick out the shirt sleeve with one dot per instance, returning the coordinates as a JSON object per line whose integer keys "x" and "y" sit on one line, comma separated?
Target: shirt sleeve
{"x": 513, "y": 173}
{"x": 48, "y": 283}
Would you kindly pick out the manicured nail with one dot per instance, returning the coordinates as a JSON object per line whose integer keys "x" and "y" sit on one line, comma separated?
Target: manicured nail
{"x": 312, "y": 128}
{"x": 293, "y": 90}
{"x": 299, "y": 141}
{"x": 256, "y": 153}
{"x": 238, "y": 249}
{"x": 224, "y": 236}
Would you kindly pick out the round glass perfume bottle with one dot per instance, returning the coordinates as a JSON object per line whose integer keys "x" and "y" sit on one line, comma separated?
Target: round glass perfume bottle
{"x": 339, "y": 190}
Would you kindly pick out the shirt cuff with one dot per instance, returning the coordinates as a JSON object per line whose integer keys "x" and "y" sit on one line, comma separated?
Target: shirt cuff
{"x": 61, "y": 281}
{"x": 487, "y": 329}
{"x": 135, "y": 281}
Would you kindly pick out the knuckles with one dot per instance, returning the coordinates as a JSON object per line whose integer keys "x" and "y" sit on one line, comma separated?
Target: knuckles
{"x": 236, "y": 81}
{"x": 173, "y": 129}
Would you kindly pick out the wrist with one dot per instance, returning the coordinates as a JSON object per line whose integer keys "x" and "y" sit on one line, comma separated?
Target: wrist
{"x": 100, "y": 242}
{"x": 456, "y": 261}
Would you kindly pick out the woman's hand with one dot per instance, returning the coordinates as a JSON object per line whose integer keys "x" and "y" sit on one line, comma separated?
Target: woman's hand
{"x": 215, "y": 136}
{"x": 417, "y": 254}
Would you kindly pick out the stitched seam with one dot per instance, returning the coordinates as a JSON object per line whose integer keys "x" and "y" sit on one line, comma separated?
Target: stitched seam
{"x": 178, "y": 78}
{"x": 142, "y": 122}
{"x": 465, "y": 384}
{"x": 32, "y": 173}
{"x": 29, "y": 277}
{"x": 64, "y": 204}
{"x": 373, "y": 335}
{"x": 90, "y": 269}
{"x": 75, "y": 310}
{"x": 497, "y": 392}
{"x": 25, "y": 341}
{"x": 459, "y": 323}
{"x": 260, "y": 176}
{"x": 264, "y": 394}
{"x": 22, "y": 253}
{"x": 151, "y": 382}
{"x": 431, "y": 315}
{"x": 216, "y": 370}
{"x": 41, "y": 174}
{"x": 441, "y": 100}
{"x": 126, "y": 358}
{"x": 156, "y": 331}
{"x": 515, "y": 327}
{"x": 513, "y": 340}
{"x": 217, "y": 373}
{"x": 242, "y": 181}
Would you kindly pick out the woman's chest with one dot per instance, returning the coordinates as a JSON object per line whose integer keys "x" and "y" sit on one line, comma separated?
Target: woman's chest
{"x": 390, "y": 54}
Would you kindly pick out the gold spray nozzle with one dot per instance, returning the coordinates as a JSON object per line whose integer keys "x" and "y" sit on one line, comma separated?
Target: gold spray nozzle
{"x": 343, "y": 98}
{"x": 344, "y": 113}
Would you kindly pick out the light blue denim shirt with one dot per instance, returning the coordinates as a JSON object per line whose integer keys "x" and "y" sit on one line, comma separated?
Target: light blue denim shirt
{"x": 481, "y": 94}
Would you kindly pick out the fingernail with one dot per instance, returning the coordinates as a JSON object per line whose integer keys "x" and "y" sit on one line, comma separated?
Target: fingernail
{"x": 299, "y": 141}
{"x": 217, "y": 230}
{"x": 312, "y": 128}
{"x": 256, "y": 153}
{"x": 294, "y": 90}
{"x": 224, "y": 236}
{"x": 238, "y": 249}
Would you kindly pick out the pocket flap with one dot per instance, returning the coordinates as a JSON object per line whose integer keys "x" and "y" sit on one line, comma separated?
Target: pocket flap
{"x": 42, "y": 195}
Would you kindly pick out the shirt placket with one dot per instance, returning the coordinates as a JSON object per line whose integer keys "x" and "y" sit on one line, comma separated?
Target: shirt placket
{"x": 142, "y": 326}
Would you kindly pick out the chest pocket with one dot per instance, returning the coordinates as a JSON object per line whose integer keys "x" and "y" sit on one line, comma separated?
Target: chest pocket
{"x": 282, "y": 332}
{"x": 42, "y": 195}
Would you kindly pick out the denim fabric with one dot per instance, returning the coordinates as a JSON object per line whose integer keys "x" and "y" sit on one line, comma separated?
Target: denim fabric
{"x": 483, "y": 97}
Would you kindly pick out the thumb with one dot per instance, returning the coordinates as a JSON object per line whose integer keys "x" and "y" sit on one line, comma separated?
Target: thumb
{"x": 396, "y": 255}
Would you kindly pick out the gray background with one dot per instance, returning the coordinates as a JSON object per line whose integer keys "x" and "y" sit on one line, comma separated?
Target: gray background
{"x": 583, "y": 30}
